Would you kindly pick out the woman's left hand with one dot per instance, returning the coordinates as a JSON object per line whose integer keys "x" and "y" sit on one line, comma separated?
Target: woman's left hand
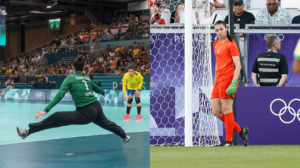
{"x": 40, "y": 114}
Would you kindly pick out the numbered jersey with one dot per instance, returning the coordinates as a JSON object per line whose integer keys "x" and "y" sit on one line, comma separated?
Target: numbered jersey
{"x": 81, "y": 88}
{"x": 133, "y": 82}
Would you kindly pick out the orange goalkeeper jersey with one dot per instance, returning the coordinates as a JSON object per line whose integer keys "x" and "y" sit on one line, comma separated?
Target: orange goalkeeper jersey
{"x": 224, "y": 62}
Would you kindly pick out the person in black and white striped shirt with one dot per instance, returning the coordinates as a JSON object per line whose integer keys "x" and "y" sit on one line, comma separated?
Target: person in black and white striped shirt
{"x": 270, "y": 68}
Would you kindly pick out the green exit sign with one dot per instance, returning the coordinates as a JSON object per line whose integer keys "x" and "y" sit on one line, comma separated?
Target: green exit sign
{"x": 54, "y": 24}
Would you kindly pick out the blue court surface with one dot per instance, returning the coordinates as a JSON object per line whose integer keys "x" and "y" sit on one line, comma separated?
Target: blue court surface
{"x": 76, "y": 146}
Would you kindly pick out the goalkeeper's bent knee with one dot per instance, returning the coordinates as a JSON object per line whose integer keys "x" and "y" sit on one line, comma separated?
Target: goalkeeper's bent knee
{"x": 137, "y": 100}
{"x": 129, "y": 101}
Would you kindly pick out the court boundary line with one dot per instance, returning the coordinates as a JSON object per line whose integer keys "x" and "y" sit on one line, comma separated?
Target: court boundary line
{"x": 69, "y": 137}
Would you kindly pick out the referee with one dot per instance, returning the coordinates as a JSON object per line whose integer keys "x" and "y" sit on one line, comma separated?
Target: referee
{"x": 270, "y": 68}
{"x": 88, "y": 108}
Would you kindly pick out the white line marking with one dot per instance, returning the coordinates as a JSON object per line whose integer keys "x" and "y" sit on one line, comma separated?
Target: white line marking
{"x": 70, "y": 137}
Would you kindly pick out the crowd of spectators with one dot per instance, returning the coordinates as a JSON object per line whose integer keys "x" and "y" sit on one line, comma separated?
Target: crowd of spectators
{"x": 112, "y": 61}
{"x": 105, "y": 61}
{"x": 271, "y": 14}
{"x": 126, "y": 28}
{"x": 23, "y": 65}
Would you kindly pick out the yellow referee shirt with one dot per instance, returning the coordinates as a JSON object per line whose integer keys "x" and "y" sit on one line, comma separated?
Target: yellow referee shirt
{"x": 134, "y": 82}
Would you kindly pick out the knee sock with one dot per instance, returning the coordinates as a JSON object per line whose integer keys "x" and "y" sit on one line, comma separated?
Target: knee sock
{"x": 139, "y": 109}
{"x": 128, "y": 110}
{"x": 229, "y": 124}
{"x": 235, "y": 127}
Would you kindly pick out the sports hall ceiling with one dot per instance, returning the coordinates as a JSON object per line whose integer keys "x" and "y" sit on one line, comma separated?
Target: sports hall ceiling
{"x": 22, "y": 11}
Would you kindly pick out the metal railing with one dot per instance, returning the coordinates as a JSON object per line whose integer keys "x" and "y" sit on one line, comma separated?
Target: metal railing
{"x": 35, "y": 78}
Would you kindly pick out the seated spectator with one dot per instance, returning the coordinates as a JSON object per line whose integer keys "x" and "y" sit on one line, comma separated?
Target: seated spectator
{"x": 130, "y": 63}
{"x": 273, "y": 14}
{"x": 127, "y": 37}
{"x": 100, "y": 70}
{"x": 145, "y": 34}
{"x": 136, "y": 51}
{"x": 240, "y": 16}
{"x": 156, "y": 13}
{"x": 119, "y": 71}
{"x": 136, "y": 35}
{"x": 296, "y": 20}
{"x": 147, "y": 69}
{"x": 26, "y": 72}
{"x": 9, "y": 84}
{"x": 9, "y": 70}
{"x": 114, "y": 62}
{"x": 117, "y": 37}
{"x": 38, "y": 75}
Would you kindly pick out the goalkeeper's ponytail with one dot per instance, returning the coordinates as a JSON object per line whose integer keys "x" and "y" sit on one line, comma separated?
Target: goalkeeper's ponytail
{"x": 228, "y": 34}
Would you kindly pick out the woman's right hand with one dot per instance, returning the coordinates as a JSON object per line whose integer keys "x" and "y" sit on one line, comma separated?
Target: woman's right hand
{"x": 125, "y": 98}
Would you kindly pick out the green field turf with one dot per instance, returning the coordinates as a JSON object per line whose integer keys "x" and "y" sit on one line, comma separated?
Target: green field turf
{"x": 276, "y": 156}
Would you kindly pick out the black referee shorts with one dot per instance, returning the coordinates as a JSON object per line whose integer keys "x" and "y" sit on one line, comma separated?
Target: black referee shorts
{"x": 82, "y": 115}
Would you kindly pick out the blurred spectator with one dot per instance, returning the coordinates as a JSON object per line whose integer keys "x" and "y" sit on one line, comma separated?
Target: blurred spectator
{"x": 296, "y": 20}
{"x": 273, "y": 14}
{"x": 157, "y": 18}
{"x": 136, "y": 35}
{"x": 240, "y": 16}
{"x": 9, "y": 84}
{"x": 109, "y": 19}
{"x": 156, "y": 13}
{"x": 219, "y": 4}
{"x": 136, "y": 51}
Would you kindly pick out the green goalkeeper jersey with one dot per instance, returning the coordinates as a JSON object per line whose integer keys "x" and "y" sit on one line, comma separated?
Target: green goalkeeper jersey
{"x": 81, "y": 88}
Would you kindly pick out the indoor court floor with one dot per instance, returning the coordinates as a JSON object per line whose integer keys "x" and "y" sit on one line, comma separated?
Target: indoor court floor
{"x": 76, "y": 146}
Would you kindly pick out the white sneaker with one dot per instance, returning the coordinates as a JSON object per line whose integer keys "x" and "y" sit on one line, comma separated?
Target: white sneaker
{"x": 127, "y": 139}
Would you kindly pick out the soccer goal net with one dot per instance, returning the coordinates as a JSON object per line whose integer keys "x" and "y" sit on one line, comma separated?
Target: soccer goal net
{"x": 181, "y": 75}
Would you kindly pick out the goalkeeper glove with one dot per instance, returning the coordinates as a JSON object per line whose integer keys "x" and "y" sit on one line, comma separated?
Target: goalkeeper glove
{"x": 232, "y": 87}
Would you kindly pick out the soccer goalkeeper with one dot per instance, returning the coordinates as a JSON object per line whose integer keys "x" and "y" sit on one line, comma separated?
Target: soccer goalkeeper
{"x": 134, "y": 82}
{"x": 227, "y": 55}
{"x": 296, "y": 66}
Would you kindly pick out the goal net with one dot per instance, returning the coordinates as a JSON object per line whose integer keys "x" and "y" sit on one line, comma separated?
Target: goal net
{"x": 181, "y": 75}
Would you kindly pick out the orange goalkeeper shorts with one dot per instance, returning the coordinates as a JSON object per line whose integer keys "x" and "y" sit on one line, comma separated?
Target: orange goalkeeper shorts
{"x": 219, "y": 90}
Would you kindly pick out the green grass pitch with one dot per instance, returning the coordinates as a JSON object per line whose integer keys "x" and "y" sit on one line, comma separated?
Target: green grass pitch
{"x": 252, "y": 156}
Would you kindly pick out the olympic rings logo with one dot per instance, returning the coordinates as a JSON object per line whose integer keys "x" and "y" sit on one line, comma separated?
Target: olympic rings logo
{"x": 280, "y": 36}
{"x": 39, "y": 94}
{"x": 284, "y": 109}
{"x": 145, "y": 96}
{"x": 153, "y": 38}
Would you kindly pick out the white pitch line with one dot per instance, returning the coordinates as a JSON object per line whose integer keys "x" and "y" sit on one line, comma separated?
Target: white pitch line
{"x": 70, "y": 137}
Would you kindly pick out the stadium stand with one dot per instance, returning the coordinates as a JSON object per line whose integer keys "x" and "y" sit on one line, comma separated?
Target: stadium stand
{"x": 125, "y": 31}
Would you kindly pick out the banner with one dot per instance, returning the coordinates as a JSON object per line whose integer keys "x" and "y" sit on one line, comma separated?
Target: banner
{"x": 257, "y": 45}
{"x": 39, "y": 94}
{"x": 112, "y": 96}
{"x": 72, "y": 22}
{"x": 16, "y": 94}
{"x": 271, "y": 113}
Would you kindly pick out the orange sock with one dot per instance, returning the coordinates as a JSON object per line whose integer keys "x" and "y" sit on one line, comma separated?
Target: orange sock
{"x": 229, "y": 124}
{"x": 235, "y": 126}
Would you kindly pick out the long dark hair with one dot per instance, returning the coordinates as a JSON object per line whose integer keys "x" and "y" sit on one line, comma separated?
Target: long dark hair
{"x": 78, "y": 64}
{"x": 223, "y": 23}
